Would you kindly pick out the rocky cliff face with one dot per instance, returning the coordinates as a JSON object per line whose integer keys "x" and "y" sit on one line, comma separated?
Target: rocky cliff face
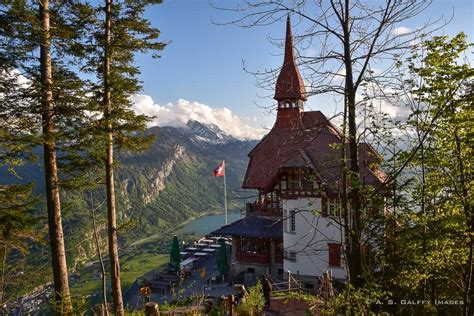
{"x": 157, "y": 180}
{"x": 173, "y": 179}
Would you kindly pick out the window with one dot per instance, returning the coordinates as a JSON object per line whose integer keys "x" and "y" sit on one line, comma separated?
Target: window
{"x": 292, "y": 218}
{"x": 247, "y": 245}
{"x": 334, "y": 255}
{"x": 293, "y": 180}
{"x": 287, "y": 104}
{"x": 331, "y": 207}
{"x": 271, "y": 201}
{"x": 299, "y": 180}
{"x": 290, "y": 255}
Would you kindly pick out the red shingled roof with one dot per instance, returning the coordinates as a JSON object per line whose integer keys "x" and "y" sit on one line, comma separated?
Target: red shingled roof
{"x": 303, "y": 139}
{"x": 315, "y": 143}
{"x": 289, "y": 84}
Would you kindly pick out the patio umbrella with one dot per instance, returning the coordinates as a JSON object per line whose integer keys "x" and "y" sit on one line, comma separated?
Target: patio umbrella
{"x": 223, "y": 267}
{"x": 175, "y": 254}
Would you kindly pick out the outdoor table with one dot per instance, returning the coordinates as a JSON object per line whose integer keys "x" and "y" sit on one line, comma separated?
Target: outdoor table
{"x": 215, "y": 246}
{"x": 191, "y": 248}
{"x": 183, "y": 253}
{"x": 200, "y": 254}
{"x": 201, "y": 245}
{"x": 209, "y": 250}
{"x": 187, "y": 261}
{"x": 207, "y": 241}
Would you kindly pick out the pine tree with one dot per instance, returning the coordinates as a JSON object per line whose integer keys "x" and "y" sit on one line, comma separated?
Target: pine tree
{"x": 119, "y": 32}
{"x": 39, "y": 47}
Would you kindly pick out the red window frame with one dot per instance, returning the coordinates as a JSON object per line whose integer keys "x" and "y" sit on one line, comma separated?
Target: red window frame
{"x": 334, "y": 254}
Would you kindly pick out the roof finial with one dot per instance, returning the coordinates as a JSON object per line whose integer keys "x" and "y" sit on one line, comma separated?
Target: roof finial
{"x": 289, "y": 83}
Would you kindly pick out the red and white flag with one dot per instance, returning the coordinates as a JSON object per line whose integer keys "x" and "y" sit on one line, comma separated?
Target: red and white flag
{"x": 219, "y": 172}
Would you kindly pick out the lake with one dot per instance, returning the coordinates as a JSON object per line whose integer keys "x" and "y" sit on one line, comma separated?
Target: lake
{"x": 206, "y": 224}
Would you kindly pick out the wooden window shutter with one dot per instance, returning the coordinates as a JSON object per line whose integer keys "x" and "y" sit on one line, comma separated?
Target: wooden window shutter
{"x": 324, "y": 206}
{"x": 334, "y": 255}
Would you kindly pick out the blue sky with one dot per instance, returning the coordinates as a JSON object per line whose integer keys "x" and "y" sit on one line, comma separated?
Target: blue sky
{"x": 203, "y": 61}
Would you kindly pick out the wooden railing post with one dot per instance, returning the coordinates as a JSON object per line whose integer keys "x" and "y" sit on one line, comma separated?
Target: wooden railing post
{"x": 298, "y": 282}
{"x": 230, "y": 300}
{"x": 289, "y": 281}
{"x": 152, "y": 309}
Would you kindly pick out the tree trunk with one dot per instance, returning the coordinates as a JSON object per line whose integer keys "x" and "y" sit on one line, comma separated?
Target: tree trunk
{"x": 61, "y": 285}
{"x": 109, "y": 170}
{"x": 344, "y": 196}
{"x": 355, "y": 225}
{"x": 3, "y": 281}
{"x": 463, "y": 183}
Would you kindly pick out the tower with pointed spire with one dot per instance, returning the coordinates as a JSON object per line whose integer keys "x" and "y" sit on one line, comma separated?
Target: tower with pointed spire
{"x": 290, "y": 92}
{"x": 296, "y": 169}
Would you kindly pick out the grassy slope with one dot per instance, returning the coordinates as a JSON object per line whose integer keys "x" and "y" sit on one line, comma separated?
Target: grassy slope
{"x": 132, "y": 267}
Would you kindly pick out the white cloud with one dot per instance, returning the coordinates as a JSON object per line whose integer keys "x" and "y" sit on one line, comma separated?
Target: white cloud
{"x": 387, "y": 101}
{"x": 401, "y": 30}
{"x": 179, "y": 113}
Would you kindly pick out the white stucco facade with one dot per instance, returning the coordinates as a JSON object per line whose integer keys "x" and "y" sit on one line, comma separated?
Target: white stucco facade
{"x": 306, "y": 239}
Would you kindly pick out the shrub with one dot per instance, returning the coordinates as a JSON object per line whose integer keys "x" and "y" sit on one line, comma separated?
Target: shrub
{"x": 254, "y": 303}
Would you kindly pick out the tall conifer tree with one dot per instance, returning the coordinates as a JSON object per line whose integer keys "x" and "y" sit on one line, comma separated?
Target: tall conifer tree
{"x": 56, "y": 236}
{"x": 120, "y": 32}
{"x": 38, "y": 47}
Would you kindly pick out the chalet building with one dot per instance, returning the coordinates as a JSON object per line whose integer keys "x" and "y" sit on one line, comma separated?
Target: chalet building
{"x": 297, "y": 172}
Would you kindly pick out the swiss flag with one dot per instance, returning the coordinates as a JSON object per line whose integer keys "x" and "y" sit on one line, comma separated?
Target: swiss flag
{"x": 219, "y": 172}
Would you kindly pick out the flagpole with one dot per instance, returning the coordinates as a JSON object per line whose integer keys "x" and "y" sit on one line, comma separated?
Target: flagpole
{"x": 225, "y": 195}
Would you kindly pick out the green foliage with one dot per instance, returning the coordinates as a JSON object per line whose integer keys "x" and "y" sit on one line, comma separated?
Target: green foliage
{"x": 131, "y": 34}
{"x": 353, "y": 301}
{"x": 175, "y": 256}
{"x": 254, "y": 303}
{"x": 17, "y": 234}
{"x": 80, "y": 306}
{"x": 431, "y": 232}
{"x": 134, "y": 265}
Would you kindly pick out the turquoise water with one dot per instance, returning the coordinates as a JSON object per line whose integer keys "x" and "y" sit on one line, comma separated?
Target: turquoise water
{"x": 205, "y": 225}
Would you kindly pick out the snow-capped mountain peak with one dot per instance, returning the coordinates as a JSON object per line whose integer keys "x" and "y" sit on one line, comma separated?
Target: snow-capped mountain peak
{"x": 208, "y": 133}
